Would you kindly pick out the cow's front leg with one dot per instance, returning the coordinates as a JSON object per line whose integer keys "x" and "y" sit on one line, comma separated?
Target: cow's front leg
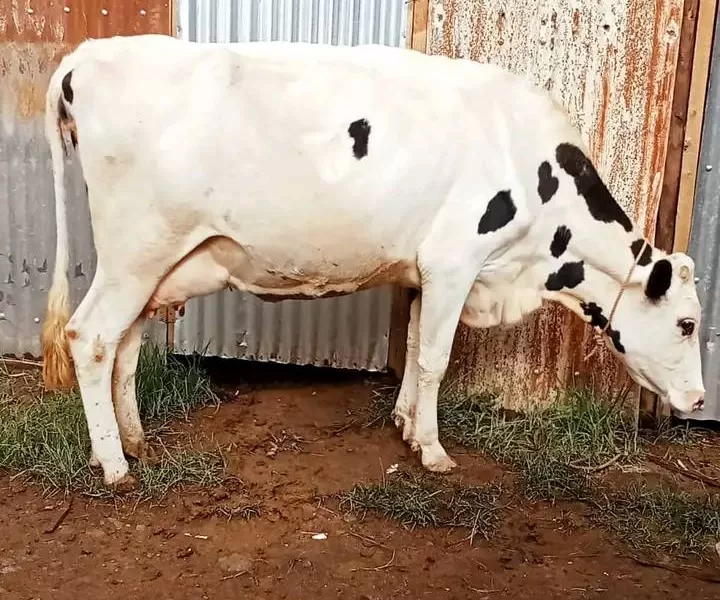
{"x": 404, "y": 412}
{"x": 444, "y": 290}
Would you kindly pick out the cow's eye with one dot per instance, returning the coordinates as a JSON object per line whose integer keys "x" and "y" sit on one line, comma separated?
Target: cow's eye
{"x": 687, "y": 326}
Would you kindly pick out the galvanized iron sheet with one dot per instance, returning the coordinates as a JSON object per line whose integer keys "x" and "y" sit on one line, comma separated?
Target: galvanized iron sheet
{"x": 33, "y": 38}
{"x": 348, "y": 332}
{"x": 611, "y": 63}
{"x": 705, "y": 239}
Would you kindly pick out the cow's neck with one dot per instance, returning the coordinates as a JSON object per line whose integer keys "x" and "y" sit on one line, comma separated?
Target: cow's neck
{"x": 600, "y": 233}
{"x": 595, "y": 297}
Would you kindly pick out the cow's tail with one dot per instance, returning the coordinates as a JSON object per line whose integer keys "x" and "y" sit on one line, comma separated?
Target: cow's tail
{"x": 58, "y": 368}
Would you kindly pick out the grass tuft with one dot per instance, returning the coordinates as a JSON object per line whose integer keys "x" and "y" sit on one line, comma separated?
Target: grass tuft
{"x": 169, "y": 387}
{"x": 422, "y": 501}
{"x": 47, "y": 438}
{"x": 661, "y": 519}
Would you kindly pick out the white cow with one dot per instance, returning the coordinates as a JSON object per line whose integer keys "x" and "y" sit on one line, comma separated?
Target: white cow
{"x": 309, "y": 170}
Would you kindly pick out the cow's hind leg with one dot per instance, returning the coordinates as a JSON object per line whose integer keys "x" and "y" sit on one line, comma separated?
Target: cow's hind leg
{"x": 404, "y": 411}
{"x": 124, "y": 396}
{"x": 127, "y": 413}
{"x": 109, "y": 309}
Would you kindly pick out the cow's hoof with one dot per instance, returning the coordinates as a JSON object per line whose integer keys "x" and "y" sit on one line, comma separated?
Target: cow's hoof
{"x": 126, "y": 485}
{"x": 436, "y": 460}
{"x": 140, "y": 450}
{"x": 94, "y": 462}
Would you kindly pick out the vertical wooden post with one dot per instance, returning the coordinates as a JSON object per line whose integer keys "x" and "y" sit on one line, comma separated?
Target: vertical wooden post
{"x": 693, "y": 127}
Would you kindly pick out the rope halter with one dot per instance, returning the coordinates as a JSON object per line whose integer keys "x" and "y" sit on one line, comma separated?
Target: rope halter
{"x": 599, "y": 334}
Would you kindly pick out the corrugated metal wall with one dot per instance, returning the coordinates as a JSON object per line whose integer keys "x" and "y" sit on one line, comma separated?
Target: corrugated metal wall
{"x": 704, "y": 244}
{"x": 347, "y": 332}
{"x": 32, "y": 41}
{"x": 611, "y": 63}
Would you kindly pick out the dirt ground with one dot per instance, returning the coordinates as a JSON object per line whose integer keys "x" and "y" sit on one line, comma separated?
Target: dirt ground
{"x": 184, "y": 547}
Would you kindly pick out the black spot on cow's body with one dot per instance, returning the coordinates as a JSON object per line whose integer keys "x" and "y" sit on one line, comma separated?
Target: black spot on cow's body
{"x": 646, "y": 257}
{"x": 598, "y": 319}
{"x": 560, "y": 241}
{"x": 359, "y": 131}
{"x": 547, "y": 183}
{"x": 659, "y": 281}
{"x": 569, "y": 275}
{"x": 499, "y": 212}
{"x": 66, "y": 86}
{"x": 600, "y": 202}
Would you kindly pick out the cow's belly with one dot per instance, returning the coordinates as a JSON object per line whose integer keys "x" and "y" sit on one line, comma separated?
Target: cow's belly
{"x": 220, "y": 263}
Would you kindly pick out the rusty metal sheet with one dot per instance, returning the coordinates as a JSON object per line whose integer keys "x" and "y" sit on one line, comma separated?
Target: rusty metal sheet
{"x": 34, "y": 35}
{"x": 611, "y": 64}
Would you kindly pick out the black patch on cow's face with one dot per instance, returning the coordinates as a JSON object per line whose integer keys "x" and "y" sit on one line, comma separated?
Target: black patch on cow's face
{"x": 359, "y": 131}
{"x": 598, "y": 319}
{"x": 646, "y": 257}
{"x": 499, "y": 212}
{"x": 569, "y": 275}
{"x": 547, "y": 183}
{"x": 67, "y": 90}
{"x": 659, "y": 281}
{"x": 600, "y": 202}
{"x": 560, "y": 241}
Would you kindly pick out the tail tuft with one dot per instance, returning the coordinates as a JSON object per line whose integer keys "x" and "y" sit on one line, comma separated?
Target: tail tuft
{"x": 58, "y": 367}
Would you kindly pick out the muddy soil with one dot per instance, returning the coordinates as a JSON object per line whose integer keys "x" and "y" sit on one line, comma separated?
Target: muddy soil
{"x": 287, "y": 444}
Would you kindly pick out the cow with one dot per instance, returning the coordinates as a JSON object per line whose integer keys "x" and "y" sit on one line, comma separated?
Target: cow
{"x": 308, "y": 170}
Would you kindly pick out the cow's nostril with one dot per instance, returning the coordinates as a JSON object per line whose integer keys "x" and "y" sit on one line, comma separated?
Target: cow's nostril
{"x": 699, "y": 404}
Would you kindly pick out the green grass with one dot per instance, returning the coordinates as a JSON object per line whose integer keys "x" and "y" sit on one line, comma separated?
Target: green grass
{"x": 661, "y": 519}
{"x": 551, "y": 448}
{"x": 47, "y": 439}
{"x": 425, "y": 501}
{"x": 556, "y": 453}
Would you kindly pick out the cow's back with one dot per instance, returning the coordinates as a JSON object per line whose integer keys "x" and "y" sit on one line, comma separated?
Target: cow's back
{"x": 344, "y": 155}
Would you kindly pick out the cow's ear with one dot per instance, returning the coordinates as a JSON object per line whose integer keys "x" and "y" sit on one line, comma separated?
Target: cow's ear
{"x": 659, "y": 281}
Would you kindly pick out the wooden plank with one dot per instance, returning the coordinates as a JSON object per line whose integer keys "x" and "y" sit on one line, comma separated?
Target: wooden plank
{"x": 667, "y": 210}
{"x": 693, "y": 126}
{"x": 418, "y": 21}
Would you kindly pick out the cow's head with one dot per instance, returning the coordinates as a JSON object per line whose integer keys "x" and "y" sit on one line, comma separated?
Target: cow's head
{"x": 655, "y": 331}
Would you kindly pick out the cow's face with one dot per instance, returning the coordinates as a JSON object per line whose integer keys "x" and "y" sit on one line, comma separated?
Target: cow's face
{"x": 658, "y": 326}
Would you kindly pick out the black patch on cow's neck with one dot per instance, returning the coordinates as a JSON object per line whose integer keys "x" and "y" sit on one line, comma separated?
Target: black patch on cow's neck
{"x": 67, "y": 90}
{"x": 598, "y": 319}
{"x": 560, "y": 241}
{"x": 569, "y": 275}
{"x": 359, "y": 131}
{"x": 659, "y": 281}
{"x": 602, "y": 206}
{"x": 62, "y": 111}
{"x": 547, "y": 183}
{"x": 499, "y": 212}
{"x": 646, "y": 257}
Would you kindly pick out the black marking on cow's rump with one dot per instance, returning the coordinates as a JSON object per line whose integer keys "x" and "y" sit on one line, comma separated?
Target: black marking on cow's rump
{"x": 547, "y": 183}
{"x": 499, "y": 212}
{"x": 590, "y": 186}
{"x": 67, "y": 90}
{"x": 646, "y": 257}
{"x": 569, "y": 275}
{"x": 359, "y": 131}
{"x": 560, "y": 241}
{"x": 659, "y": 281}
{"x": 598, "y": 319}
